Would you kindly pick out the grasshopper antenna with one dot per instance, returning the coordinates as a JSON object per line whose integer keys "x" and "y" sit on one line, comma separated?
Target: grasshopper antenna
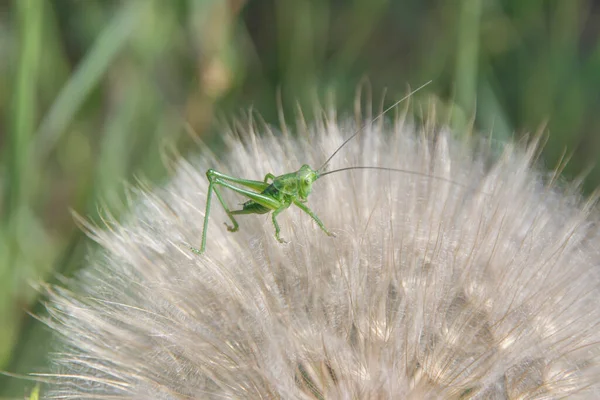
{"x": 362, "y": 128}
{"x": 406, "y": 171}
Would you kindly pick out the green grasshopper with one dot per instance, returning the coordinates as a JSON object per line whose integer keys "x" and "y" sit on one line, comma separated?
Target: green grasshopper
{"x": 277, "y": 193}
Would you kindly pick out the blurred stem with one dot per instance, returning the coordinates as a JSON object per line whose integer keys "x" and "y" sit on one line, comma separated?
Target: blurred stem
{"x": 112, "y": 39}
{"x": 363, "y": 17}
{"x": 17, "y": 197}
{"x": 467, "y": 57}
{"x": 491, "y": 115}
{"x": 29, "y": 14}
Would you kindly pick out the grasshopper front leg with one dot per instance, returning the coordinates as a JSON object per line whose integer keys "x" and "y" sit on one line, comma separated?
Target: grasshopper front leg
{"x": 269, "y": 176}
{"x": 314, "y": 216}
{"x": 275, "y": 224}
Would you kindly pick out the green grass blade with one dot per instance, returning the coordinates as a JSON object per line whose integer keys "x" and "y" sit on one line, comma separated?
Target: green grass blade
{"x": 112, "y": 39}
{"x": 17, "y": 196}
{"x": 467, "y": 58}
{"x": 29, "y": 13}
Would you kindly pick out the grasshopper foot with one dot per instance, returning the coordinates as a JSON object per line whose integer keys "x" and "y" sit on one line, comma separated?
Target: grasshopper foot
{"x": 195, "y": 250}
{"x": 192, "y": 248}
{"x": 231, "y": 228}
{"x": 330, "y": 234}
{"x": 280, "y": 239}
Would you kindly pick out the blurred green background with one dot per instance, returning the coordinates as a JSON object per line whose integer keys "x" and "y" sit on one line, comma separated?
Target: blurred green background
{"x": 92, "y": 91}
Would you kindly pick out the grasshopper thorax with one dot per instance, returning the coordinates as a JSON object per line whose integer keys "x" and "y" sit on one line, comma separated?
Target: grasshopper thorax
{"x": 305, "y": 178}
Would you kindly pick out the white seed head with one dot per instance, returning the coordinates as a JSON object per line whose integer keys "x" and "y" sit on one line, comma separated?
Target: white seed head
{"x": 486, "y": 288}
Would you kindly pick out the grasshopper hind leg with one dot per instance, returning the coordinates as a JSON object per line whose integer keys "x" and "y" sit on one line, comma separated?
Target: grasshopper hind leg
{"x": 232, "y": 228}
{"x": 235, "y": 226}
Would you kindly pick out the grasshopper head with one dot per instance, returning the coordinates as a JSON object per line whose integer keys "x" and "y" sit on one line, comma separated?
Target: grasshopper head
{"x": 306, "y": 176}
